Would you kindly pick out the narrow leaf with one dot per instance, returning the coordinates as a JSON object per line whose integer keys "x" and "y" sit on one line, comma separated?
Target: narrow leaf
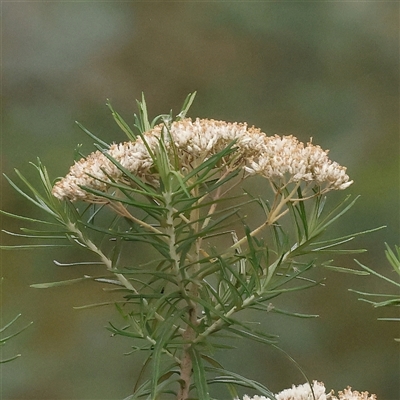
{"x": 200, "y": 380}
{"x": 345, "y": 270}
{"x": 234, "y": 378}
{"x": 121, "y": 123}
{"x": 186, "y": 105}
{"x": 60, "y": 283}
{"x": 94, "y": 137}
{"x": 33, "y": 246}
{"x": 28, "y": 219}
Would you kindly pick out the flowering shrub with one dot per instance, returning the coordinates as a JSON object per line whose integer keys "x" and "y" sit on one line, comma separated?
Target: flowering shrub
{"x": 177, "y": 186}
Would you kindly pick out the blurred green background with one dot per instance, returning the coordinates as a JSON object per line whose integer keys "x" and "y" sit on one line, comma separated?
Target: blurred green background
{"x": 327, "y": 70}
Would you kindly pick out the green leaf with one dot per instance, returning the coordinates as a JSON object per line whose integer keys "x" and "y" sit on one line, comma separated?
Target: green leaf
{"x": 200, "y": 381}
{"x": 182, "y": 185}
{"x": 345, "y": 270}
{"x": 45, "y": 204}
{"x": 393, "y": 258}
{"x": 372, "y": 294}
{"x": 5, "y": 339}
{"x": 392, "y": 302}
{"x": 129, "y": 190}
{"x": 212, "y": 309}
{"x": 216, "y": 364}
{"x": 293, "y": 314}
{"x": 94, "y": 137}
{"x": 333, "y": 215}
{"x": 260, "y": 337}
{"x": 22, "y": 193}
{"x": 289, "y": 277}
{"x": 33, "y": 246}
{"x": 123, "y": 332}
{"x": 329, "y": 246}
{"x": 9, "y": 324}
{"x": 41, "y": 236}
{"x": 60, "y": 283}
{"x": 300, "y": 209}
{"x": 121, "y": 123}
{"x": 212, "y": 294}
{"x": 237, "y": 379}
{"x": 371, "y": 271}
{"x": 166, "y": 332}
{"x": 212, "y": 227}
{"x": 144, "y": 114}
{"x": 10, "y": 359}
{"x": 350, "y": 236}
{"x": 186, "y": 105}
{"x": 349, "y": 251}
{"x": 28, "y": 219}
{"x": 201, "y": 172}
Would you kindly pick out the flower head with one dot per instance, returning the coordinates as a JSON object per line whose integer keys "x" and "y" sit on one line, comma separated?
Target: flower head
{"x": 349, "y": 394}
{"x": 301, "y": 392}
{"x": 276, "y": 158}
{"x": 304, "y": 392}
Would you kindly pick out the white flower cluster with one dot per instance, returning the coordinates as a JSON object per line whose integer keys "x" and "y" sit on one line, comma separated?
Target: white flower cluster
{"x": 349, "y": 394}
{"x": 303, "y": 392}
{"x": 273, "y": 157}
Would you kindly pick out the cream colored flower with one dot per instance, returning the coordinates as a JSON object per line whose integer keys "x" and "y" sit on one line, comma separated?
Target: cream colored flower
{"x": 245, "y": 397}
{"x": 284, "y": 159}
{"x": 303, "y": 392}
{"x": 348, "y": 394}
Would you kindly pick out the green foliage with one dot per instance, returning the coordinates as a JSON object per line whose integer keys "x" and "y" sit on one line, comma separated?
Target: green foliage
{"x": 211, "y": 264}
{"x": 5, "y": 339}
{"x": 390, "y": 300}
